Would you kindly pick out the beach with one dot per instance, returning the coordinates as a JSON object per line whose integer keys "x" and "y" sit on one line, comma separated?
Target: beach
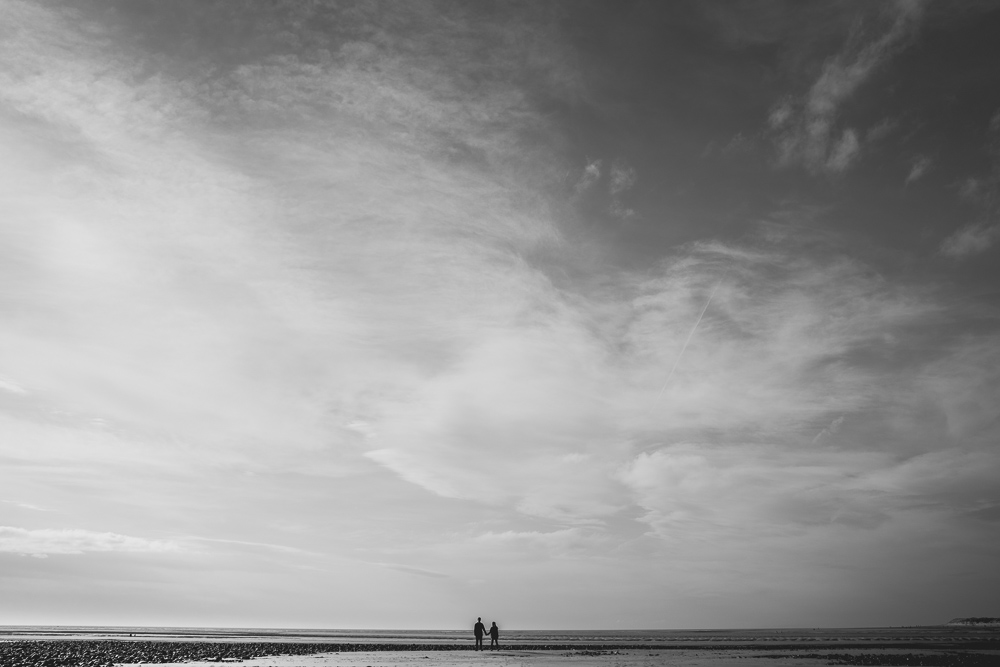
{"x": 92, "y": 647}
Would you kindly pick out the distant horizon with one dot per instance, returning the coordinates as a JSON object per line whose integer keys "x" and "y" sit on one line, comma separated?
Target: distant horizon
{"x": 462, "y": 631}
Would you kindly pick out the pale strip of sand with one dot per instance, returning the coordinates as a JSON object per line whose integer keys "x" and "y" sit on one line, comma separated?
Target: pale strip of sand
{"x": 507, "y": 659}
{"x": 720, "y": 657}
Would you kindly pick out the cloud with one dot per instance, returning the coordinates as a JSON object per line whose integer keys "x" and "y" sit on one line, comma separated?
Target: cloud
{"x": 804, "y": 130}
{"x": 245, "y": 543}
{"x": 774, "y": 322}
{"x": 25, "y": 506}
{"x": 972, "y": 239}
{"x": 764, "y": 494}
{"x": 843, "y": 152}
{"x": 184, "y": 284}
{"x": 541, "y": 418}
{"x": 590, "y": 176}
{"x": 337, "y": 275}
{"x": 740, "y": 144}
{"x": 751, "y": 489}
{"x": 75, "y": 541}
{"x": 880, "y": 130}
{"x": 11, "y": 386}
{"x": 623, "y": 177}
{"x": 820, "y": 518}
{"x": 416, "y": 570}
{"x": 962, "y": 387}
{"x": 497, "y": 425}
{"x": 920, "y": 167}
{"x": 970, "y": 189}
{"x": 830, "y": 430}
{"x": 983, "y": 192}
{"x": 564, "y": 542}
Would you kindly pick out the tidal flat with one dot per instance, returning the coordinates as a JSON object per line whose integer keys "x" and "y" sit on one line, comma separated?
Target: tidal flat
{"x": 944, "y": 646}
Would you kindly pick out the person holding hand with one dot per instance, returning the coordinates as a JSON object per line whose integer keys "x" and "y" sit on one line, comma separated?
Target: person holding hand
{"x": 479, "y": 630}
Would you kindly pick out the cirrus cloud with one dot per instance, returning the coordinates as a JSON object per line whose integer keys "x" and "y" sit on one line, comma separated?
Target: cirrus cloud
{"x": 806, "y": 131}
{"x": 46, "y": 541}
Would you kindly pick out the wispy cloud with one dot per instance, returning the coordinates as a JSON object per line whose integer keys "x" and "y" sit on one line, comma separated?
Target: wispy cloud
{"x": 604, "y": 191}
{"x": 11, "y": 386}
{"x": 245, "y": 543}
{"x": 970, "y": 240}
{"x": 963, "y": 386}
{"x": 415, "y": 239}
{"x": 589, "y": 177}
{"x": 25, "y": 506}
{"x": 919, "y": 168}
{"x": 46, "y": 541}
{"x": 415, "y": 570}
{"x": 982, "y": 192}
{"x": 830, "y": 430}
{"x": 623, "y": 178}
{"x": 331, "y": 296}
{"x": 751, "y": 489}
{"x": 805, "y": 131}
{"x": 773, "y": 349}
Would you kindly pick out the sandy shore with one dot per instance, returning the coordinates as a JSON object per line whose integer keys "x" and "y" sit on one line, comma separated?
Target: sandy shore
{"x": 673, "y": 658}
{"x": 195, "y": 654}
{"x": 937, "y": 646}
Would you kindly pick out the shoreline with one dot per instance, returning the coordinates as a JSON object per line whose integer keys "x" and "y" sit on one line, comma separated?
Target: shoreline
{"x": 77, "y": 646}
{"x": 104, "y": 653}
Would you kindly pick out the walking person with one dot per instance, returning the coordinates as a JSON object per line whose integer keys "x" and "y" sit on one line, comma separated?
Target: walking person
{"x": 494, "y": 636}
{"x": 479, "y": 631}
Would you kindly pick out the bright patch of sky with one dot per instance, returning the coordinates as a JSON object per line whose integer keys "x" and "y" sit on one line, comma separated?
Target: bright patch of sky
{"x": 583, "y": 314}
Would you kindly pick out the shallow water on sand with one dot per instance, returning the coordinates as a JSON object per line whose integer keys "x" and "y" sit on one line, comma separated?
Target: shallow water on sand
{"x": 810, "y": 647}
{"x": 720, "y": 657}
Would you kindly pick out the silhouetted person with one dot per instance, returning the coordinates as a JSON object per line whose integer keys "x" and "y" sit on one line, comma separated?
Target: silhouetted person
{"x": 480, "y": 630}
{"x": 494, "y": 636}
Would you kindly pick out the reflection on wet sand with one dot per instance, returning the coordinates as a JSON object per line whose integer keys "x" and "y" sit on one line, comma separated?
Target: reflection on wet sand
{"x": 86, "y": 647}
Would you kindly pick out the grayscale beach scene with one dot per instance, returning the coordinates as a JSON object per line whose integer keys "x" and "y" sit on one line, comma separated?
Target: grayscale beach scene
{"x": 946, "y": 645}
{"x": 517, "y": 333}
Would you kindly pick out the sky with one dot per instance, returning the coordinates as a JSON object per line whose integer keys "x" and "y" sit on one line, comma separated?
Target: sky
{"x": 581, "y": 314}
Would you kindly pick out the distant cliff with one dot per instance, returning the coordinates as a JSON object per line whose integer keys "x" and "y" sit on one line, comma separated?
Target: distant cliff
{"x": 980, "y": 621}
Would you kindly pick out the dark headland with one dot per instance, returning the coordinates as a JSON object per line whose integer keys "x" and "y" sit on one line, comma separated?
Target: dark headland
{"x": 977, "y": 621}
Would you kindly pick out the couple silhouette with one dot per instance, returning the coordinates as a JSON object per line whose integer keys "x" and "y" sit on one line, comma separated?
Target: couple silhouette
{"x": 479, "y": 630}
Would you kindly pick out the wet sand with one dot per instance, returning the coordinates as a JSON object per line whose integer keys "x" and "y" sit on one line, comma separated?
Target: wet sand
{"x": 675, "y": 658}
{"x": 694, "y": 657}
{"x": 92, "y": 647}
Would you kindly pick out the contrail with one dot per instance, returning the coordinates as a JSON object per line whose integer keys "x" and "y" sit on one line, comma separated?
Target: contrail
{"x": 690, "y": 336}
